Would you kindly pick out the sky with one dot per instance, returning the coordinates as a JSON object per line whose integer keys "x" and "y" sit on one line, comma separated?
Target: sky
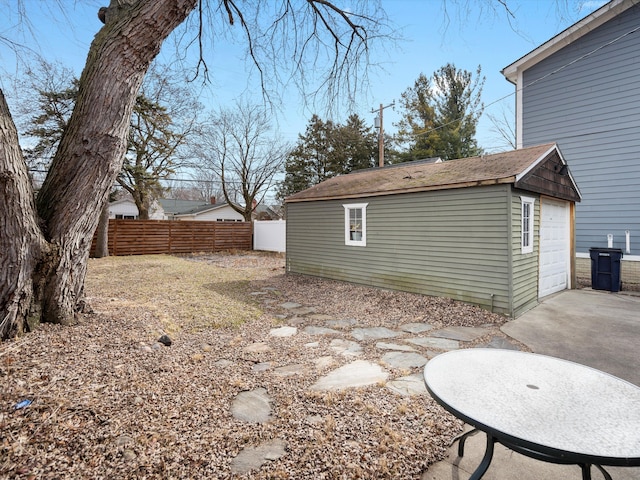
{"x": 466, "y": 33}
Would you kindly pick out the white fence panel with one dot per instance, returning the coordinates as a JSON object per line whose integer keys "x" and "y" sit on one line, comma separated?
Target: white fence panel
{"x": 270, "y": 235}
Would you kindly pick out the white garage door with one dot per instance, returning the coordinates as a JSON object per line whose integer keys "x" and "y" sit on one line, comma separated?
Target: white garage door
{"x": 554, "y": 247}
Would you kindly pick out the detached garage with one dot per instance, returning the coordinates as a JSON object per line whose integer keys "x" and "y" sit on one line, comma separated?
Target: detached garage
{"x": 496, "y": 230}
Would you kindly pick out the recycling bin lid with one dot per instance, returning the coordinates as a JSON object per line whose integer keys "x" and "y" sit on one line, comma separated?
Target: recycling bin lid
{"x": 606, "y": 250}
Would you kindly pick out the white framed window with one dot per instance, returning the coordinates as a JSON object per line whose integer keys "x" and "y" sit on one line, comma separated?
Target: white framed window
{"x": 355, "y": 224}
{"x": 526, "y": 223}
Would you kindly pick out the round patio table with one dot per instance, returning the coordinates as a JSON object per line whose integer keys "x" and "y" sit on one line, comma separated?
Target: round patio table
{"x": 540, "y": 406}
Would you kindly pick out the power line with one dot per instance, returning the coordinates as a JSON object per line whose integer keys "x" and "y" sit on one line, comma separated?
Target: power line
{"x": 581, "y": 58}
{"x": 188, "y": 180}
{"x": 536, "y": 80}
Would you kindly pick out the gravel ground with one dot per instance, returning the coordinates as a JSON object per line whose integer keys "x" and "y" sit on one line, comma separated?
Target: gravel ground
{"x": 107, "y": 401}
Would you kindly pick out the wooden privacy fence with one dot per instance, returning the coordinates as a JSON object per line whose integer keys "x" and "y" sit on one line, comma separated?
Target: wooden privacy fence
{"x": 147, "y": 237}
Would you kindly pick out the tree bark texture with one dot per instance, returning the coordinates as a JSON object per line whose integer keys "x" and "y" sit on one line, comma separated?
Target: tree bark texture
{"x": 83, "y": 170}
{"x": 21, "y": 243}
{"x": 141, "y": 200}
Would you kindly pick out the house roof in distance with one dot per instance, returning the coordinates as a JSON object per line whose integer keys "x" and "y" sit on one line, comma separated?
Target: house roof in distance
{"x": 175, "y": 206}
{"x": 201, "y": 209}
{"x": 523, "y": 168}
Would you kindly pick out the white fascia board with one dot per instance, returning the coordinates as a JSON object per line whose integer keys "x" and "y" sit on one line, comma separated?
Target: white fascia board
{"x": 568, "y": 36}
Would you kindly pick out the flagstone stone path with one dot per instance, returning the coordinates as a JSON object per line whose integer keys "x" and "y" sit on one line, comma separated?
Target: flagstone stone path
{"x": 412, "y": 345}
{"x": 253, "y": 406}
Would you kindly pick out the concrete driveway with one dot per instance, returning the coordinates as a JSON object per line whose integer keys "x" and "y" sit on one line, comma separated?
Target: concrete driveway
{"x": 594, "y": 328}
{"x": 591, "y": 327}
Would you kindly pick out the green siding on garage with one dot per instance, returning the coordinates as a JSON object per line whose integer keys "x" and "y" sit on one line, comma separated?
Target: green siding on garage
{"x": 453, "y": 243}
{"x": 525, "y": 266}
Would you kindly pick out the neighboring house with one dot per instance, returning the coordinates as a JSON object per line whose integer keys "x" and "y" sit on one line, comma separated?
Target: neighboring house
{"x": 494, "y": 230}
{"x": 173, "y": 209}
{"x": 211, "y": 213}
{"x": 123, "y": 209}
{"x": 126, "y": 209}
{"x": 268, "y": 212}
{"x": 581, "y": 89}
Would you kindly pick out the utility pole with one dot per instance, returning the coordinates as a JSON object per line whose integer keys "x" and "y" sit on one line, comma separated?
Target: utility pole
{"x": 380, "y": 125}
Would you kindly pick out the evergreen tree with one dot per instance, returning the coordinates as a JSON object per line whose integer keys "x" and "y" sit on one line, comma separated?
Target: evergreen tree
{"x": 327, "y": 149}
{"x": 440, "y": 115}
{"x": 359, "y": 145}
{"x": 311, "y": 161}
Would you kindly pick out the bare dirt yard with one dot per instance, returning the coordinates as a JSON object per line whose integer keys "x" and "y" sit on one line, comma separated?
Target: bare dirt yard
{"x": 104, "y": 399}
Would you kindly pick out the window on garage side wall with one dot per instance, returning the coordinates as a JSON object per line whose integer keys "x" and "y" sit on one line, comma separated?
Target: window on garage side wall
{"x": 526, "y": 219}
{"x": 355, "y": 224}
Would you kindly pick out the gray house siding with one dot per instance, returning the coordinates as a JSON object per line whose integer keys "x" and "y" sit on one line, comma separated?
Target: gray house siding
{"x": 591, "y": 108}
{"x": 454, "y": 243}
{"x": 525, "y": 266}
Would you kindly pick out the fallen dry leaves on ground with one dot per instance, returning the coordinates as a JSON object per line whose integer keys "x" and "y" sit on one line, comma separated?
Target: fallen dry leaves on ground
{"x": 108, "y": 401}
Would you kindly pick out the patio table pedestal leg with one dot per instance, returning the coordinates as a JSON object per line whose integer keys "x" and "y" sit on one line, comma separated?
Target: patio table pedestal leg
{"x": 605, "y": 474}
{"x": 463, "y": 438}
{"x": 486, "y": 460}
{"x": 586, "y": 471}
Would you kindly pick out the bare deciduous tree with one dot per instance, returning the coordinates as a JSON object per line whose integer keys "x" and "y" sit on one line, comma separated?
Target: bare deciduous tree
{"x": 164, "y": 118}
{"x": 503, "y": 125}
{"x": 244, "y": 153}
{"x": 45, "y": 242}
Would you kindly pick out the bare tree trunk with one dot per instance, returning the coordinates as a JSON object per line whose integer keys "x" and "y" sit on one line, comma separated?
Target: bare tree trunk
{"x": 21, "y": 243}
{"x": 92, "y": 149}
{"x": 141, "y": 204}
{"x": 102, "y": 234}
{"x": 84, "y": 168}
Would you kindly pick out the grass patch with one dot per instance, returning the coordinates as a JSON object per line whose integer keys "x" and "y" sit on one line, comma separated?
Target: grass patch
{"x": 182, "y": 294}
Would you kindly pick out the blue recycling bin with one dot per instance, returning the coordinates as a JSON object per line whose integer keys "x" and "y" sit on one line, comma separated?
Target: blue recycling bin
{"x": 605, "y": 269}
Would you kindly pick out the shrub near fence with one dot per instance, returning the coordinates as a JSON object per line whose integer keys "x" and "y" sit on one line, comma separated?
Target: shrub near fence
{"x": 147, "y": 237}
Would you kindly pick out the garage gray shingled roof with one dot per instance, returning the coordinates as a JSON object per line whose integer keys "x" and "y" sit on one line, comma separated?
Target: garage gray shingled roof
{"x": 420, "y": 176}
